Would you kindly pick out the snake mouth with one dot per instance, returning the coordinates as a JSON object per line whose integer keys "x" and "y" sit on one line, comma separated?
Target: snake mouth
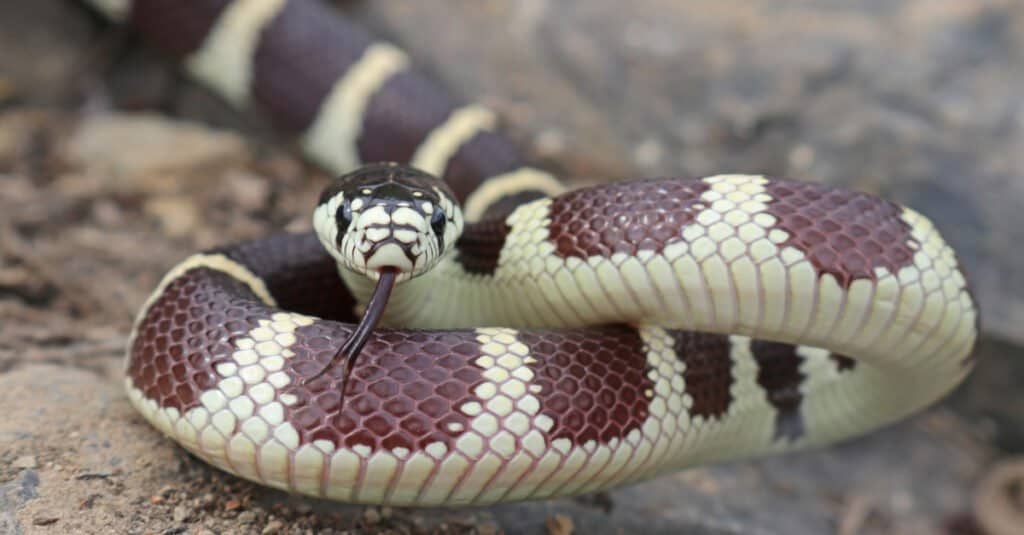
{"x": 399, "y": 274}
{"x": 389, "y": 256}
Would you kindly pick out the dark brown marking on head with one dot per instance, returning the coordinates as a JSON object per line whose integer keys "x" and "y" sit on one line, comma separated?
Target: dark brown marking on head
{"x": 400, "y": 116}
{"x": 780, "y": 376}
{"x": 388, "y": 180}
{"x": 843, "y": 363}
{"x": 708, "y": 375}
{"x": 485, "y": 155}
{"x": 592, "y": 382}
{"x": 299, "y": 274}
{"x": 186, "y": 332}
{"x": 478, "y": 248}
{"x": 843, "y": 233}
{"x": 177, "y": 28}
{"x": 403, "y": 392}
{"x": 302, "y": 52}
{"x": 623, "y": 217}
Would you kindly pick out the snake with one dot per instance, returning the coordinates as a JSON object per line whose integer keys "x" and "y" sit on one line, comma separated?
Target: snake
{"x": 539, "y": 341}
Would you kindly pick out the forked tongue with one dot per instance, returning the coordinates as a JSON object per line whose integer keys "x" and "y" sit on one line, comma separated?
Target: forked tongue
{"x": 349, "y": 351}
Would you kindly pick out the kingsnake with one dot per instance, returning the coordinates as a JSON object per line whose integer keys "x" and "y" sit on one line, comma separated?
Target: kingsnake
{"x": 571, "y": 341}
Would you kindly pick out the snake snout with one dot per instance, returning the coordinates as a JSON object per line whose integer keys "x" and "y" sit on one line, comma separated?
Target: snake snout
{"x": 389, "y": 254}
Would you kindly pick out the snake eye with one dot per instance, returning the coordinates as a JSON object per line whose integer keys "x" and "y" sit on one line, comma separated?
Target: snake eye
{"x": 437, "y": 222}
{"x": 344, "y": 218}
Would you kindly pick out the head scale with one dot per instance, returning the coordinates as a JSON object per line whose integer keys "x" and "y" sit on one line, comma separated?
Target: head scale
{"x": 387, "y": 216}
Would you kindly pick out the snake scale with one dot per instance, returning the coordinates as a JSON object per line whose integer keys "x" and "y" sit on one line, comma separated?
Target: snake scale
{"x": 571, "y": 341}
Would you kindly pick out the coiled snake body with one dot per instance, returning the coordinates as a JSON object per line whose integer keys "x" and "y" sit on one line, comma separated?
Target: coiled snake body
{"x": 571, "y": 341}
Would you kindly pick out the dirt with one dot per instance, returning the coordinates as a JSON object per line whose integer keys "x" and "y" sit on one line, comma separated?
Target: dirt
{"x": 112, "y": 168}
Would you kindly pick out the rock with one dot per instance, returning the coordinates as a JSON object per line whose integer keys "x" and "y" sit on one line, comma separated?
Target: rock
{"x": 998, "y": 503}
{"x": 149, "y": 153}
{"x": 25, "y": 461}
{"x": 35, "y": 65}
{"x": 178, "y": 214}
{"x": 181, "y": 514}
{"x": 106, "y": 440}
{"x": 250, "y": 192}
{"x": 371, "y": 516}
{"x": 559, "y": 525}
{"x": 274, "y": 526}
{"x": 16, "y": 129}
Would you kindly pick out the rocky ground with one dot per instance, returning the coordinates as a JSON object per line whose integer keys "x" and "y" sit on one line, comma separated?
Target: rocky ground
{"x": 112, "y": 168}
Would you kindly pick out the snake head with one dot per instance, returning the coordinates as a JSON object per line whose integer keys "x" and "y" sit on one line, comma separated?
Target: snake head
{"x": 387, "y": 216}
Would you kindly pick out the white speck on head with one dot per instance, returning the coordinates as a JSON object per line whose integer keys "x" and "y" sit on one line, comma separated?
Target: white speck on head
{"x": 375, "y": 215}
{"x": 377, "y": 233}
{"x": 407, "y": 216}
{"x": 405, "y": 235}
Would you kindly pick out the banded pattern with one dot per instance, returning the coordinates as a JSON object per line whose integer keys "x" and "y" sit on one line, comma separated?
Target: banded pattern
{"x": 753, "y": 315}
{"x": 719, "y": 255}
{"x": 350, "y": 100}
{"x": 481, "y": 415}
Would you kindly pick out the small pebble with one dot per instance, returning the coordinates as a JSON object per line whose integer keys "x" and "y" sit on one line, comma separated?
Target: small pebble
{"x": 371, "y": 516}
{"x": 178, "y": 214}
{"x": 231, "y": 505}
{"x": 107, "y": 213}
{"x": 801, "y": 157}
{"x": 25, "y": 461}
{"x": 549, "y": 142}
{"x": 44, "y": 520}
{"x": 250, "y": 192}
{"x": 648, "y": 153}
{"x": 559, "y": 525}
{"x": 246, "y": 517}
{"x": 181, "y": 514}
{"x": 207, "y": 501}
{"x": 274, "y": 526}
{"x": 487, "y": 528}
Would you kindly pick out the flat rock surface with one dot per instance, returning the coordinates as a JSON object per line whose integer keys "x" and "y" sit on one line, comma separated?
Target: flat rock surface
{"x": 111, "y": 169}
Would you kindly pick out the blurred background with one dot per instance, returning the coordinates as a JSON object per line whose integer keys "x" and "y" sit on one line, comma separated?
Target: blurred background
{"x": 113, "y": 167}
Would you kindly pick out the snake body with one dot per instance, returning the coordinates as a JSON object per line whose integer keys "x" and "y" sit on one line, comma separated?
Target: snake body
{"x": 572, "y": 342}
